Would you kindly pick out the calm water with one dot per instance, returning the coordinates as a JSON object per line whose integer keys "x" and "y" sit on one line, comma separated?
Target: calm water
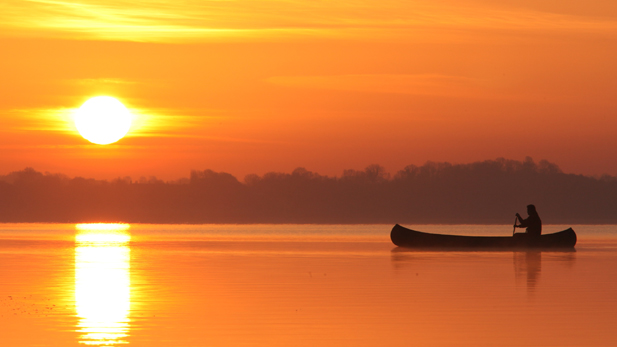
{"x": 297, "y": 285}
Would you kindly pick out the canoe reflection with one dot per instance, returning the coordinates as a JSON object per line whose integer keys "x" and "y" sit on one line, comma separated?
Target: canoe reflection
{"x": 102, "y": 283}
{"x": 527, "y": 266}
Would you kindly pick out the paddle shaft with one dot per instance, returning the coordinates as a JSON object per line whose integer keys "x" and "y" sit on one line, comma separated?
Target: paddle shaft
{"x": 514, "y": 229}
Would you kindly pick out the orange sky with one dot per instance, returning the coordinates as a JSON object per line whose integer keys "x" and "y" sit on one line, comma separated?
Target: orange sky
{"x": 252, "y": 86}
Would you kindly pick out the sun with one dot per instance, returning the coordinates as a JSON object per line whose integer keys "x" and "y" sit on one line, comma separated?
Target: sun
{"x": 103, "y": 120}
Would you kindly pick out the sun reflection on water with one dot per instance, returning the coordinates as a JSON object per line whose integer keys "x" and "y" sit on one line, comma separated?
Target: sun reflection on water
{"x": 102, "y": 283}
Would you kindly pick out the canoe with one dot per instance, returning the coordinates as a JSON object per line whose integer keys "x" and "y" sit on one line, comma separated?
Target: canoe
{"x": 404, "y": 237}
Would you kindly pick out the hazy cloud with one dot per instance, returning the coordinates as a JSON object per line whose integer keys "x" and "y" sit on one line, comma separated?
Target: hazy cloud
{"x": 140, "y": 20}
{"x": 28, "y": 120}
{"x": 456, "y": 86}
{"x": 146, "y": 122}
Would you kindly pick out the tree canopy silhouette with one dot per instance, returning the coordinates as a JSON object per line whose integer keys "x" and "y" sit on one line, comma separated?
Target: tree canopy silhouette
{"x": 489, "y": 191}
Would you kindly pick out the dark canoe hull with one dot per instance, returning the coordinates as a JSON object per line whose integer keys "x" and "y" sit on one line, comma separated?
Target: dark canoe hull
{"x": 404, "y": 237}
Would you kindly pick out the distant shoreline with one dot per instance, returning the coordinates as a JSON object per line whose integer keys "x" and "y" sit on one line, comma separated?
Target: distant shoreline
{"x": 481, "y": 193}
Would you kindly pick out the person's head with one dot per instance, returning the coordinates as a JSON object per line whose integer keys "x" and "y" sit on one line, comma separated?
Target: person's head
{"x": 531, "y": 209}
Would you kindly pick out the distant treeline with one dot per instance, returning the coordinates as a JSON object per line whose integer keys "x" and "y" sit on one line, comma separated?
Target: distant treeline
{"x": 481, "y": 192}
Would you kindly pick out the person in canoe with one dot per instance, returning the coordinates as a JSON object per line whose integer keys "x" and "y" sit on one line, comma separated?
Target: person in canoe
{"x": 532, "y": 222}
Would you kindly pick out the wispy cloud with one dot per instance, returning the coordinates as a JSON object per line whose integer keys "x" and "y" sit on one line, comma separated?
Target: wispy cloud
{"x": 146, "y": 122}
{"x": 42, "y": 119}
{"x": 187, "y": 20}
{"x": 169, "y": 123}
{"x": 425, "y": 84}
{"x": 102, "y": 81}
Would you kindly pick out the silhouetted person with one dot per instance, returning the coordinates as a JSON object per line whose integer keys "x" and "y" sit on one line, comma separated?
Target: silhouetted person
{"x": 532, "y": 223}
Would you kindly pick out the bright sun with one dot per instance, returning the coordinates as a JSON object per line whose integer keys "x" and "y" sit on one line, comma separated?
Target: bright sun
{"x": 103, "y": 120}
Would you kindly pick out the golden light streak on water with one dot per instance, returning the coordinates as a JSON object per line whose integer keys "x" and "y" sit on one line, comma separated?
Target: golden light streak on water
{"x": 102, "y": 283}
{"x": 88, "y": 228}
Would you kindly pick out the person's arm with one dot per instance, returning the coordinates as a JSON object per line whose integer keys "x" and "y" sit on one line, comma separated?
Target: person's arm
{"x": 522, "y": 222}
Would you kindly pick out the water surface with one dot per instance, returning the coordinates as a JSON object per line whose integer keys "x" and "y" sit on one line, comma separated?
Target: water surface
{"x": 298, "y": 285}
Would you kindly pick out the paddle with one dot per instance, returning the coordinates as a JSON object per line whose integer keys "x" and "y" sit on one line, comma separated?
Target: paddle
{"x": 514, "y": 230}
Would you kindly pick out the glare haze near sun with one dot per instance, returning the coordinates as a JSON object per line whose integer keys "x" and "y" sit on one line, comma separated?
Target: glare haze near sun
{"x": 103, "y": 120}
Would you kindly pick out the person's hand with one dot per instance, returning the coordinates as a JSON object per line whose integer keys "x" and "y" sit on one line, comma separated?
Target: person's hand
{"x": 518, "y": 215}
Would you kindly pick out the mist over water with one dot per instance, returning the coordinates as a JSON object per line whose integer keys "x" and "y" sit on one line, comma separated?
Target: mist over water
{"x": 301, "y": 285}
